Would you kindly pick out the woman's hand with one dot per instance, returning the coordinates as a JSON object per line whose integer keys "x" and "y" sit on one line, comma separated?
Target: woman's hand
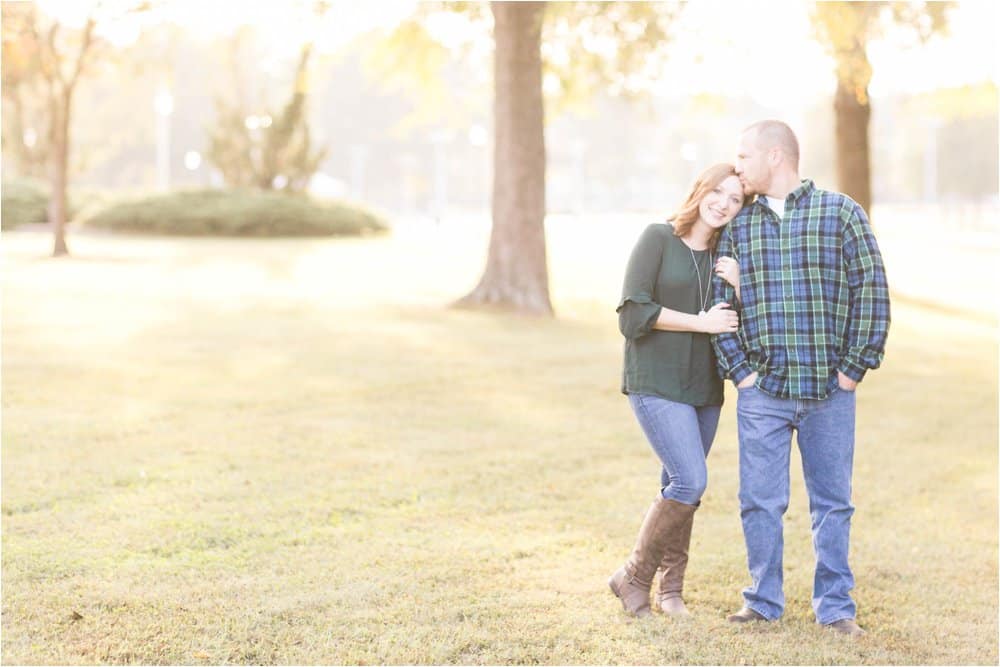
{"x": 720, "y": 318}
{"x": 728, "y": 269}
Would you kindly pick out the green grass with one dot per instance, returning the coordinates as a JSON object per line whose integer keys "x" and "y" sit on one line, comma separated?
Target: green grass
{"x": 237, "y": 451}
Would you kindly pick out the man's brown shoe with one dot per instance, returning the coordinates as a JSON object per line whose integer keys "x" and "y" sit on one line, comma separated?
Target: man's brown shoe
{"x": 745, "y": 615}
{"x": 847, "y": 626}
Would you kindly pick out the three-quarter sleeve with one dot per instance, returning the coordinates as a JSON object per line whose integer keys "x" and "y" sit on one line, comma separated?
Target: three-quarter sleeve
{"x": 638, "y": 310}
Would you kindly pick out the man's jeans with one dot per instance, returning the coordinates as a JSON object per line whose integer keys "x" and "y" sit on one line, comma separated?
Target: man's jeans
{"x": 681, "y": 435}
{"x": 826, "y": 443}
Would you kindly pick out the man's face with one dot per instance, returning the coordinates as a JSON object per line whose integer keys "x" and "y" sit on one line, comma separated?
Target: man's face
{"x": 752, "y": 165}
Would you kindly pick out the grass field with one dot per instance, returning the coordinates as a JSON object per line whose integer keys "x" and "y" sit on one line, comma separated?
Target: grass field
{"x": 289, "y": 452}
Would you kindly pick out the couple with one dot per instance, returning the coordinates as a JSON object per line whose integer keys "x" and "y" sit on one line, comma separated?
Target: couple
{"x": 801, "y": 312}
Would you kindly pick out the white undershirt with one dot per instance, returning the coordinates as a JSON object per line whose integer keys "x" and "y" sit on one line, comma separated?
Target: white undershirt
{"x": 777, "y": 205}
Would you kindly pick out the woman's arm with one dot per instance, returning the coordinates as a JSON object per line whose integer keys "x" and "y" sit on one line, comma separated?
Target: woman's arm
{"x": 639, "y": 313}
{"x": 637, "y": 310}
{"x": 720, "y": 318}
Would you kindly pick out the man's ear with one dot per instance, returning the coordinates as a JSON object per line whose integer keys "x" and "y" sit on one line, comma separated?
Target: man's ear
{"x": 774, "y": 157}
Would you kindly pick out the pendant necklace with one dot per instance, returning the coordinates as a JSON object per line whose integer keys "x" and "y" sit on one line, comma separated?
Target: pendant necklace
{"x": 702, "y": 295}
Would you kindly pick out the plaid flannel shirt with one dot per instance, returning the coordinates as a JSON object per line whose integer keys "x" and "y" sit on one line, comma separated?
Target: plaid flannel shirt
{"x": 814, "y": 297}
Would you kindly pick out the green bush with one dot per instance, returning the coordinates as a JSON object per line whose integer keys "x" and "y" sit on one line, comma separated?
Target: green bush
{"x": 235, "y": 213}
{"x": 26, "y": 201}
{"x": 23, "y": 201}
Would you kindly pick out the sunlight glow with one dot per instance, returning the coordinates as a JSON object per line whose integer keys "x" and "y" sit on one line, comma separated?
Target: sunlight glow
{"x": 764, "y": 50}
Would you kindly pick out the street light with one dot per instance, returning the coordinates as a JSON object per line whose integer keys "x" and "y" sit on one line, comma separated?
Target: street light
{"x": 192, "y": 160}
{"x": 359, "y": 161}
{"x": 579, "y": 151}
{"x": 439, "y": 140}
{"x": 163, "y": 104}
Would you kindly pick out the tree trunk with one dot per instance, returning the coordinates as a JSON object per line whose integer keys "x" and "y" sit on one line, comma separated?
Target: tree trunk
{"x": 852, "y": 109}
{"x": 516, "y": 274}
{"x": 59, "y": 168}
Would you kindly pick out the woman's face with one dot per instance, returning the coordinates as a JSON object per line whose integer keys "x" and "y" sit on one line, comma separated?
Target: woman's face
{"x": 723, "y": 202}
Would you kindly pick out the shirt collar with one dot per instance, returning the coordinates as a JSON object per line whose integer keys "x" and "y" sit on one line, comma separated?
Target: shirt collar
{"x": 804, "y": 189}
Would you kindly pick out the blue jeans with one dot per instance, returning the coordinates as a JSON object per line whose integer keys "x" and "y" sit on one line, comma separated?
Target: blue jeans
{"x": 826, "y": 444}
{"x": 681, "y": 435}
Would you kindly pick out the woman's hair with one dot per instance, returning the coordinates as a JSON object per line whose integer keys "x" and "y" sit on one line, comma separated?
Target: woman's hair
{"x": 688, "y": 213}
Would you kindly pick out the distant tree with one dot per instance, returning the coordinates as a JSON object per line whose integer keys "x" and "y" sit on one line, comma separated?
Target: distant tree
{"x": 846, "y": 29}
{"x": 51, "y": 59}
{"x": 273, "y": 151}
{"x": 267, "y": 152}
{"x": 590, "y": 46}
{"x": 23, "y": 95}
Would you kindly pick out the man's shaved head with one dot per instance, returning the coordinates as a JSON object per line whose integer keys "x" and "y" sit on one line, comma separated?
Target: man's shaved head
{"x": 776, "y": 134}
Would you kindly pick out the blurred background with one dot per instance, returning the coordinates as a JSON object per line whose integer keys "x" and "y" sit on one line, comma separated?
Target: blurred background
{"x": 389, "y": 106}
{"x": 147, "y": 104}
{"x": 398, "y": 100}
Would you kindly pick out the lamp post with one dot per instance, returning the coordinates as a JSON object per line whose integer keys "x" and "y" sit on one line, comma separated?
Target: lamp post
{"x": 689, "y": 153}
{"x": 931, "y": 125}
{"x": 579, "y": 151}
{"x": 359, "y": 161}
{"x": 440, "y": 140}
{"x": 163, "y": 103}
{"x": 192, "y": 160}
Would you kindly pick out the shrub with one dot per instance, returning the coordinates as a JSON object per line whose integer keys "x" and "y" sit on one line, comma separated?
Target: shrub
{"x": 23, "y": 201}
{"x": 26, "y": 201}
{"x": 235, "y": 213}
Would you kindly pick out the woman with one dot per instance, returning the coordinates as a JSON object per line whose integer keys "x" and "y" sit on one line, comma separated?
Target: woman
{"x": 670, "y": 375}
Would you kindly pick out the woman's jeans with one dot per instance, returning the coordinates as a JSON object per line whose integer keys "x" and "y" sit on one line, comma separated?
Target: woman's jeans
{"x": 826, "y": 444}
{"x": 681, "y": 436}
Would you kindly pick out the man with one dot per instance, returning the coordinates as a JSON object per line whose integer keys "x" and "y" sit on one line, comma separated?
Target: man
{"x": 814, "y": 316}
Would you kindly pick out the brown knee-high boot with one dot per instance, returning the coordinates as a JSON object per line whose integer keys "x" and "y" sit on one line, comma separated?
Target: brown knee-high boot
{"x": 632, "y": 582}
{"x": 669, "y": 598}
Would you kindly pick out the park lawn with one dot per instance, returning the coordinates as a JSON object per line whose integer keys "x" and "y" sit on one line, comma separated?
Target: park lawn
{"x": 290, "y": 452}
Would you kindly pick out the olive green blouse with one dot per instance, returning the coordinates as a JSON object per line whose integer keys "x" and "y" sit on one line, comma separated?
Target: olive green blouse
{"x": 676, "y": 365}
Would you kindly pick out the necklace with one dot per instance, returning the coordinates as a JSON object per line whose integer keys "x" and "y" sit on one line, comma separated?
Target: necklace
{"x": 703, "y": 296}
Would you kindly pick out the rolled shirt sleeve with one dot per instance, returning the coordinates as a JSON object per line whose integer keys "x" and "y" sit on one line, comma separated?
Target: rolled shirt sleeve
{"x": 638, "y": 310}
{"x": 729, "y": 352}
{"x": 868, "y": 325}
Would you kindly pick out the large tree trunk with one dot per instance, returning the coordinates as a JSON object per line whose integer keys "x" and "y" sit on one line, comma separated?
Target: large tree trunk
{"x": 853, "y": 112}
{"x": 852, "y": 106}
{"x": 516, "y": 274}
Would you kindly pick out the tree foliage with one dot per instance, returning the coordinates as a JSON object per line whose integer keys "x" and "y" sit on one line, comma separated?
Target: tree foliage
{"x": 547, "y": 55}
{"x": 618, "y": 47}
{"x": 846, "y": 29}
{"x": 47, "y": 61}
{"x": 23, "y": 93}
{"x": 587, "y": 47}
{"x": 271, "y": 151}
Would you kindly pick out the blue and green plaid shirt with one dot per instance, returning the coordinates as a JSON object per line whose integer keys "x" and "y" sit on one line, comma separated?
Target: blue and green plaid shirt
{"x": 814, "y": 298}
